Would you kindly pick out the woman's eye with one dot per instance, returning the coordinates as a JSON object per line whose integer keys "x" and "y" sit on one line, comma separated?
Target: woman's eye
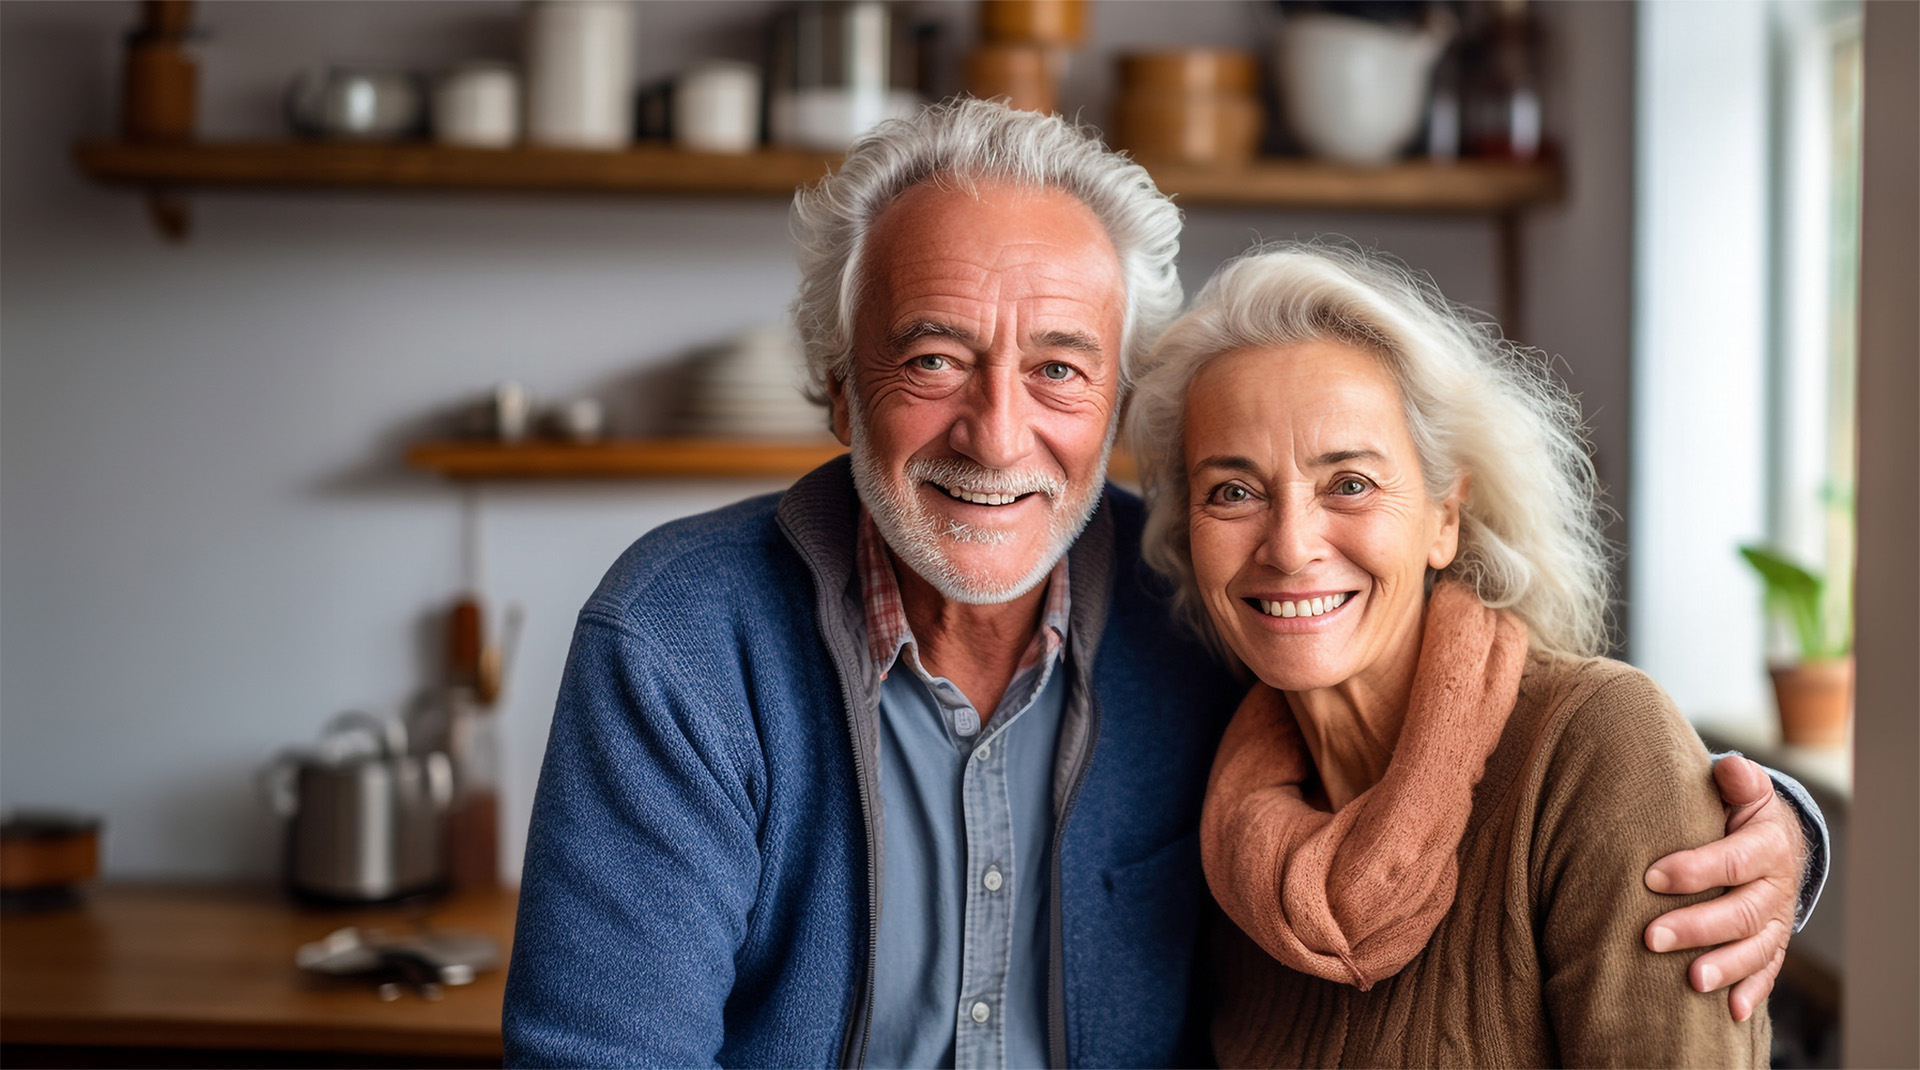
{"x": 930, "y": 363}
{"x": 1231, "y": 494}
{"x": 1057, "y": 371}
{"x": 1349, "y": 487}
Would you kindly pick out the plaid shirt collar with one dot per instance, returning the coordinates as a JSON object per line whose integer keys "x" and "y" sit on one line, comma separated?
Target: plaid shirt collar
{"x": 887, "y": 630}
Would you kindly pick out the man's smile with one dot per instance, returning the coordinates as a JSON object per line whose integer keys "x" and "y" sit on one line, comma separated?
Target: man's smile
{"x": 981, "y": 497}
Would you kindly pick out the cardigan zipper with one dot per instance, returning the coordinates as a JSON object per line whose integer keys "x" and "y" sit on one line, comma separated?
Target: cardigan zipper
{"x": 1056, "y": 968}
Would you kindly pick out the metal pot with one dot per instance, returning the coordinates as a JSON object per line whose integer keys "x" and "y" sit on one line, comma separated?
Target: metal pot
{"x": 365, "y": 820}
{"x": 356, "y": 103}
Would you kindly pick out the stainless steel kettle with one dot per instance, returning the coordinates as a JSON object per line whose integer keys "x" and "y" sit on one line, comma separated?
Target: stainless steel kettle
{"x": 365, "y": 820}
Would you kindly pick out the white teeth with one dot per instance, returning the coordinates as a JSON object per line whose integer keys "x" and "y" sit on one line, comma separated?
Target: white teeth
{"x": 1305, "y": 607}
{"x": 980, "y": 497}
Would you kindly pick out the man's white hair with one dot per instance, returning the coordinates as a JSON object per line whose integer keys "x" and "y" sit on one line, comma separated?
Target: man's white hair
{"x": 1530, "y": 526}
{"x": 962, "y": 143}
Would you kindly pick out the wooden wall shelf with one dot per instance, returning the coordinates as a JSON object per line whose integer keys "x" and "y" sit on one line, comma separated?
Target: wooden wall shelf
{"x": 652, "y": 458}
{"x": 404, "y": 166}
{"x": 166, "y": 171}
{"x": 1466, "y": 187}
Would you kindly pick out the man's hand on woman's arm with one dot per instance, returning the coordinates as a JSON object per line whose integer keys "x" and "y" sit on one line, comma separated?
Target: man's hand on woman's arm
{"x": 1763, "y": 864}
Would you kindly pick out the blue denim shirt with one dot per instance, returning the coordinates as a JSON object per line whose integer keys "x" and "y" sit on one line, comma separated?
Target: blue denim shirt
{"x": 962, "y": 972}
{"x": 967, "y": 816}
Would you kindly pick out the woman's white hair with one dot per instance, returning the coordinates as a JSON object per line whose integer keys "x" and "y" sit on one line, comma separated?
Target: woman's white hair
{"x": 1530, "y": 526}
{"x": 962, "y": 143}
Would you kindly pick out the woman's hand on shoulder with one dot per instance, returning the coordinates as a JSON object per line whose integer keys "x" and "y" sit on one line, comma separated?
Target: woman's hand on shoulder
{"x": 1760, "y": 862}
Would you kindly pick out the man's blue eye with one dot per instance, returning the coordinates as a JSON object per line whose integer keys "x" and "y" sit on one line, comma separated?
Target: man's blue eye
{"x": 930, "y": 363}
{"x": 1057, "y": 371}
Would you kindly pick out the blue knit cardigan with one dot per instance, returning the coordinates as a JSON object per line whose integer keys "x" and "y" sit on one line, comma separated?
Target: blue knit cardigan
{"x": 700, "y": 879}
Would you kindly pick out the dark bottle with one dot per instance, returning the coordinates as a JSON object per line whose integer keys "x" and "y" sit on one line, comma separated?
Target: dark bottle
{"x": 1504, "y": 118}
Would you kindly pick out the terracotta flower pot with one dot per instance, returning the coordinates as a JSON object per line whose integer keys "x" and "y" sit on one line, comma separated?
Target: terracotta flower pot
{"x": 1815, "y": 700}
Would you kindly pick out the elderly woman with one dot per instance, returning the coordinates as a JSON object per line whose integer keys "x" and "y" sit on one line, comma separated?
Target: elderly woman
{"x": 1429, "y": 817}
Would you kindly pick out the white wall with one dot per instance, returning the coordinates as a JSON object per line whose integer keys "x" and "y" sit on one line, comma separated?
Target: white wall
{"x": 206, "y": 544}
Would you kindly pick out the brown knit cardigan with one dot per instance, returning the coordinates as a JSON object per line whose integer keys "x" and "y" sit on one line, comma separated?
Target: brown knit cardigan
{"x": 1539, "y": 961}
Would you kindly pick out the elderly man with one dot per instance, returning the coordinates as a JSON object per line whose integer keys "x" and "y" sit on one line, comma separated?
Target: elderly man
{"x": 904, "y": 767}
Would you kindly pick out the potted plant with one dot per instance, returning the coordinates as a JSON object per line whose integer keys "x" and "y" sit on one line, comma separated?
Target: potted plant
{"x": 1815, "y": 692}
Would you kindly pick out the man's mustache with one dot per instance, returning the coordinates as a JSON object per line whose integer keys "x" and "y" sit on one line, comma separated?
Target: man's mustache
{"x": 956, "y": 473}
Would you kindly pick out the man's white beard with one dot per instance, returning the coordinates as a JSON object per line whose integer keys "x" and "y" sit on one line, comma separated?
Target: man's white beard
{"x": 920, "y": 538}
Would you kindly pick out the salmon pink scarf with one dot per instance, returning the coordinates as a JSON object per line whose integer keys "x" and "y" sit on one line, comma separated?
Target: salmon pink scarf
{"x": 1353, "y": 896}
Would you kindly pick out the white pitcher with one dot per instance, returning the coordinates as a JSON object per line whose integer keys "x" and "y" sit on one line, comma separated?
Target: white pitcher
{"x": 1354, "y": 90}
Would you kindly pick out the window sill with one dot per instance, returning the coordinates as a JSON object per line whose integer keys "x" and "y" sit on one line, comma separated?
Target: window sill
{"x": 1826, "y": 771}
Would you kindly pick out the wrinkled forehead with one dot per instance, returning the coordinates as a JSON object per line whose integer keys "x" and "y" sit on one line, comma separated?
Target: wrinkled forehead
{"x": 995, "y": 224}
{"x": 951, "y": 250}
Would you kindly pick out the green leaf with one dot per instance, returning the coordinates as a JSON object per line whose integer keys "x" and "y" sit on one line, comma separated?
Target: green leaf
{"x": 1793, "y": 592}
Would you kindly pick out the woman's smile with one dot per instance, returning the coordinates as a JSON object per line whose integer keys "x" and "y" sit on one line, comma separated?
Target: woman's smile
{"x": 1300, "y": 612}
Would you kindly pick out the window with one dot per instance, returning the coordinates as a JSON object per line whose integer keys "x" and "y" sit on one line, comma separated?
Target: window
{"x": 1746, "y": 255}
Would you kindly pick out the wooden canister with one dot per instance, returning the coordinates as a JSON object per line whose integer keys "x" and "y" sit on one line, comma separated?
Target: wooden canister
{"x": 1020, "y": 73}
{"x": 1193, "y": 106}
{"x": 1059, "y": 23}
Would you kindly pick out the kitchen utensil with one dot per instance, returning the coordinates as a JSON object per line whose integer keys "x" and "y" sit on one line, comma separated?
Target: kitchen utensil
{"x": 716, "y": 107}
{"x": 1190, "y": 105}
{"x": 838, "y": 70}
{"x": 356, "y": 103}
{"x": 466, "y": 638}
{"x": 579, "y": 63}
{"x": 44, "y": 855}
{"x": 1354, "y": 89}
{"x": 473, "y": 663}
{"x": 363, "y": 816}
{"x": 426, "y": 960}
{"x": 478, "y": 105}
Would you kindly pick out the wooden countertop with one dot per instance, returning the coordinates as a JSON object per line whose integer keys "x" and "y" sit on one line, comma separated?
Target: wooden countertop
{"x": 207, "y": 966}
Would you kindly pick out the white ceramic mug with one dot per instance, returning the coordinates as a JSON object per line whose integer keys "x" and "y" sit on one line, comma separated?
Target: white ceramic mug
{"x": 716, "y": 107}
{"x": 478, "y": 106}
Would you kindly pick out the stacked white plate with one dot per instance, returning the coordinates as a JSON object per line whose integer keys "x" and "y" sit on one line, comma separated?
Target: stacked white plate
{"x": 750, "y": 388}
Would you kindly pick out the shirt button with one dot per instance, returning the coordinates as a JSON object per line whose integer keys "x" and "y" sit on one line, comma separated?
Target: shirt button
{"x": 984, "y": 750}
{"x": 980, "y": 1012}
{"x": 993, "y": 880}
